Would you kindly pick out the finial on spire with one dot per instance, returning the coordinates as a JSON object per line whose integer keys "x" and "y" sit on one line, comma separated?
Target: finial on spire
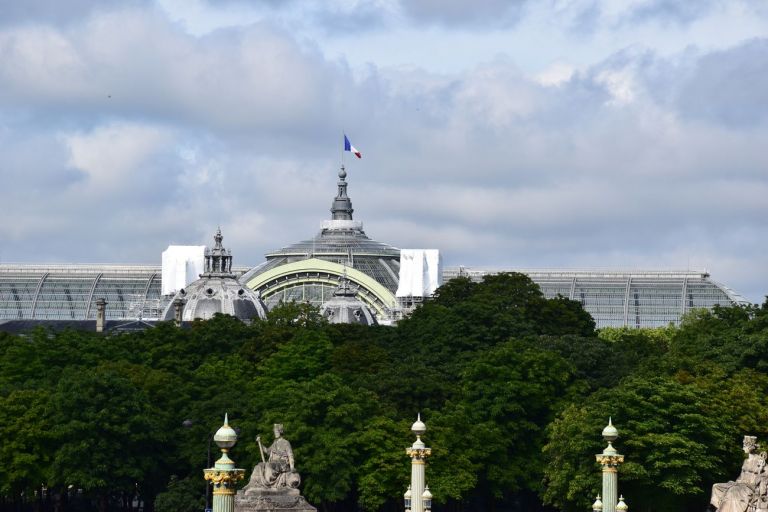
{"x": 341, "y": 209}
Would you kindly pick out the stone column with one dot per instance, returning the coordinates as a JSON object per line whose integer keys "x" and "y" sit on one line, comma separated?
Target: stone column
{"x": 610, "y": 459}
{"x": 223, "y": 475}
{"x": 101, "y": 314}
{"x": 418, "y": 454}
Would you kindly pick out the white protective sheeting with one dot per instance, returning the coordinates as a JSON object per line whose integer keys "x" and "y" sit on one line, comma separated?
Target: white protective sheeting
{"x": 420, "y": 272}
{"x": 182, "y": 264}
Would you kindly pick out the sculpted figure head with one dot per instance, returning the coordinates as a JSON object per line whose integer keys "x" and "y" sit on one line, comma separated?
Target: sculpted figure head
{"x": 278, "y": 430}
{"x": 750, "y": 444}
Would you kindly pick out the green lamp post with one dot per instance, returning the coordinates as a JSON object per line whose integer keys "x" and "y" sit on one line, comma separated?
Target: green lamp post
{"x": 223, "y": 475}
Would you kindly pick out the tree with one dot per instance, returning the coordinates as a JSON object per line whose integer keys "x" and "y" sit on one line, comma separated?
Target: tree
{"x": 733, "y": 337}
{"x": 108, "y": 436}
{"x": 25, "y": 451}
{"x": 674, "y": 440}
{"x": 509, "y": 395}
{"x": 182, "y": 495}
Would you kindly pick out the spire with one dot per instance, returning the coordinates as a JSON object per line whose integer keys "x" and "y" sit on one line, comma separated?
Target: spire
{"x": 218, "y": 260}
{"x": 342, "y": 205}
{"x": 344, "y": 289}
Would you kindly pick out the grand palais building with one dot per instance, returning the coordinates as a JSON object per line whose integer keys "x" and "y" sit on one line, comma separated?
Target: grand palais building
{"x": 340, "y": 265}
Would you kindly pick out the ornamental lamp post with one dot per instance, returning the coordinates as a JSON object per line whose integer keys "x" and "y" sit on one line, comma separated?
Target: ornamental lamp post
{"x": 597, "y": 506}
{"x": 610, "y": 459}
{"x": 418, "y": 454}
{"x": 407, "y": 499}
{"x": 223, "y": 475}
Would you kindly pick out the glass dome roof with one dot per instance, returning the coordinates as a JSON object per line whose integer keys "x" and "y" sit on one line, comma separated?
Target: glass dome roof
{"x": 340, "y": 240}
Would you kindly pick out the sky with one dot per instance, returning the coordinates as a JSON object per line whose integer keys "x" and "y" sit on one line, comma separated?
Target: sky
{"x": 620, "y": 134}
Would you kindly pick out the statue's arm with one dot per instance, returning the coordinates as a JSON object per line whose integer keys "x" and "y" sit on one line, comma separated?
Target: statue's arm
{"x": 261, "y": 447}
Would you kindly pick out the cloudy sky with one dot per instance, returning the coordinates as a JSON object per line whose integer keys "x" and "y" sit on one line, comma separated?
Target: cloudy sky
{"x": 507, "y": 133}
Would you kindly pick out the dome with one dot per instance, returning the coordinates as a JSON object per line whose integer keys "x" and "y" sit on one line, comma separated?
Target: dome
{"x": 310, "y": 271}
{"x": 341, "y": 240}
{"x": 217, "y": 291}
{"x": 345, "y": 308}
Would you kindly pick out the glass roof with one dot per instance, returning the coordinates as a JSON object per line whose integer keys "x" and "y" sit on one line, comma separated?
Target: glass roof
{"x": 618, "y": 298}
{"x": 338, "y": 242}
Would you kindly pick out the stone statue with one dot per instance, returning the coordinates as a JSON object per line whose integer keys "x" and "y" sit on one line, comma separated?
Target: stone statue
{"x": 276, "y": 469}
{"x": 274, "y": 482}
{"x": 748, "y": 492}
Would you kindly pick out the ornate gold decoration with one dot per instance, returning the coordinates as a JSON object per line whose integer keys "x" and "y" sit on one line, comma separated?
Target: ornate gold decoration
{"x": 224, "y": 481}
{"x": 609, "y": 460}
{"x": 418, "y": 453}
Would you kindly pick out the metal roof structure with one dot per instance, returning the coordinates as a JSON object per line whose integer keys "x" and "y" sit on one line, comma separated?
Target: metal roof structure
{"x": 634, "y": 298}
{"x": 70, "y": 291}
{"x": 625, "y": 298}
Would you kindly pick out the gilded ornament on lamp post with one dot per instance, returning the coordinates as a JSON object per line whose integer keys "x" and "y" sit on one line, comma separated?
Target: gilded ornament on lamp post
{"x": 223, "y": 475}
{"x": 610, "y": 459}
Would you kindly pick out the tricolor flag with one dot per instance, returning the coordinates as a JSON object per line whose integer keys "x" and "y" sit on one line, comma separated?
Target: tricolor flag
{"x": 349, "y": 147}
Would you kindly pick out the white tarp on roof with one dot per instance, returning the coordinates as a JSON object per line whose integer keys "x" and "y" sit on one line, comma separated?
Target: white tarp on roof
{"x": 420, "y": 272}
{"x": 182, "y": 264}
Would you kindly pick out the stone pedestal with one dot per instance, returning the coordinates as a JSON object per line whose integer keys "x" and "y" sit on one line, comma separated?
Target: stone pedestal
{"x": 259, "y": 500}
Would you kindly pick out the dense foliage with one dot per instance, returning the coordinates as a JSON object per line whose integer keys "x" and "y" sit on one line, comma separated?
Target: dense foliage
{"x": 515, "y": 390}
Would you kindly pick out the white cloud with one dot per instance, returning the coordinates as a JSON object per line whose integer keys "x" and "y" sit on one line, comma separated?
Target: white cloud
{"x": 113, "y": 155}
{"x": 556, "y": 74}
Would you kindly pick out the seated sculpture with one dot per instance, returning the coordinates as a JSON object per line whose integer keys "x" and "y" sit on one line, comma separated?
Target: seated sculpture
{"x": 276, "y": 470}
{"x": 748, "y": 492}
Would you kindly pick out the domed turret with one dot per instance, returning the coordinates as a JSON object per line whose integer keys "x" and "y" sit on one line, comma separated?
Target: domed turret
{"x": 217, "y": 291}
{"x": 345, "y": 308}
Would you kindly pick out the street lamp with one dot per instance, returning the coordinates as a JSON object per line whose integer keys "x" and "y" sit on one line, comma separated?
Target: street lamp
{"x": 610, "y": 460}
{"x": 426, "y": 499}
{"x": 189, "y": 424}
{"x": 418, "y": 454}
{"x": 223, "y": 475}
{"x": 407, "y": 499}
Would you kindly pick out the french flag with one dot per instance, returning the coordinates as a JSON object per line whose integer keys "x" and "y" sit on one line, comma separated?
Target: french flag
{"x": 349, "y": 147}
